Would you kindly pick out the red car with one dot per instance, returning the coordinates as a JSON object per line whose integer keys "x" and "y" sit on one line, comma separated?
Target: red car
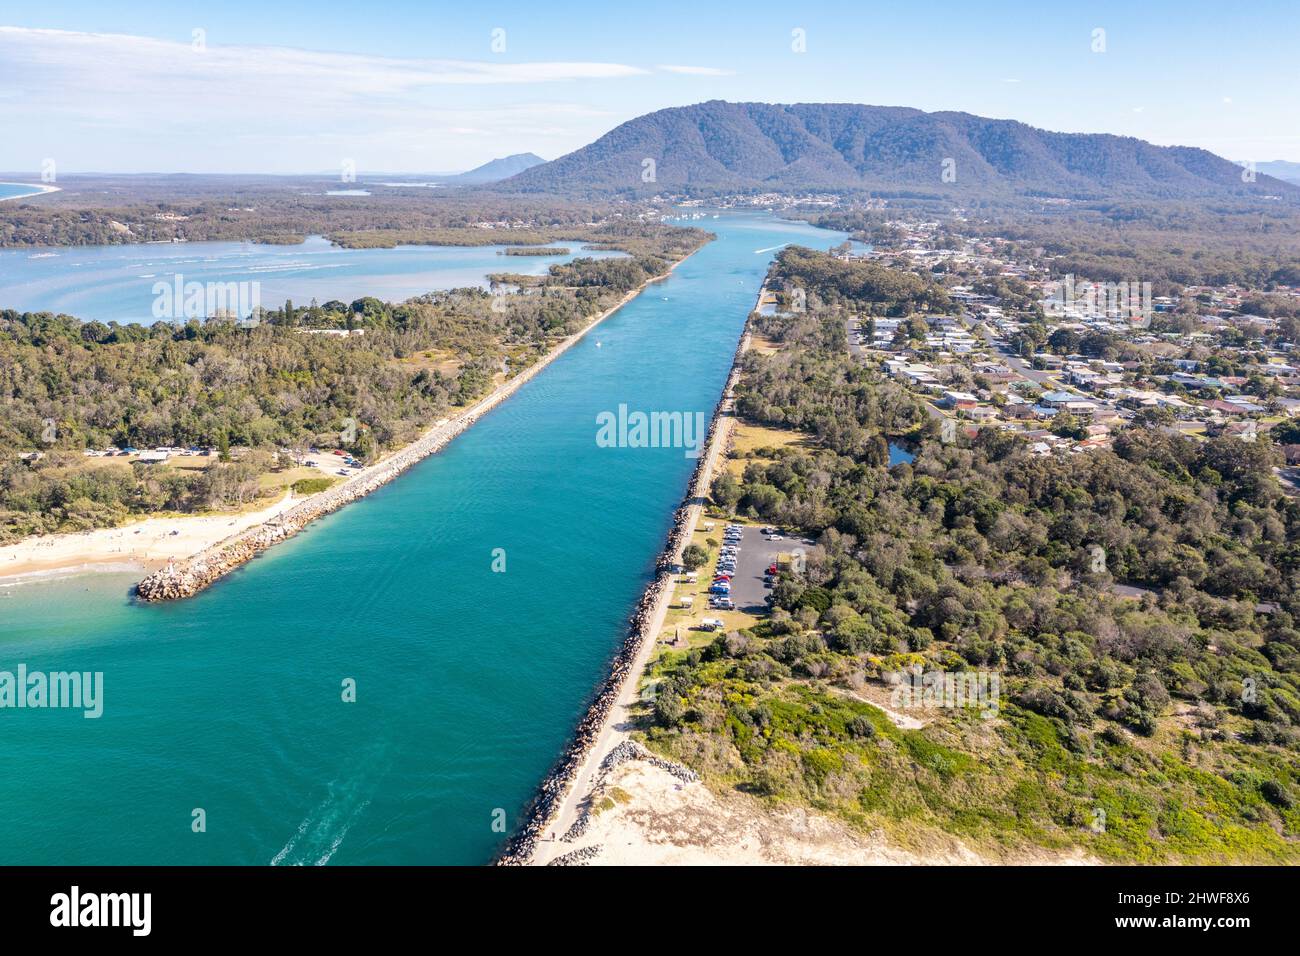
{"x": 773, "y": 570}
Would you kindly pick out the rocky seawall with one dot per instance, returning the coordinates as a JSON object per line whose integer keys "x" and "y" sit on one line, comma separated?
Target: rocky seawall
{"x": 542, "y": 809}
{"x": 186, "y": 578}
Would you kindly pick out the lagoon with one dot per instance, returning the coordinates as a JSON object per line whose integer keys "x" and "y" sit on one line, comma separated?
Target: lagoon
{"x": 116, "y": 283}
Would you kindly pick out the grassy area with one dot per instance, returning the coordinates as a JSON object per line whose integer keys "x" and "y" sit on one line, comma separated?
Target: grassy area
{"x": 312, "y": 486}
{"x": 752, "y": 442}
{"x": 1008, "y": 785}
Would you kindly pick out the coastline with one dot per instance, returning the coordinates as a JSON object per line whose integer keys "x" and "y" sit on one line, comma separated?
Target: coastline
{"x": 140, "y": 545}
{"x": 561, "y": 803}
{"x": 41, "y": 190}
{"x": 185, "y": 578}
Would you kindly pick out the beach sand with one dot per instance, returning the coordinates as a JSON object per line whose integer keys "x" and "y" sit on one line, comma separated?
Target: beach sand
{"x": 145, "y": 544}
{"x": 41, "y": 190}
{"x": 657, "y": 820}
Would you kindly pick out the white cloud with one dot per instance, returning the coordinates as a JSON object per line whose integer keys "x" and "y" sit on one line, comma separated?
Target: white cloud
{"x": 123, "y": 60}
{"x": 696, "y": 70}
{"x": 91, "y": 94}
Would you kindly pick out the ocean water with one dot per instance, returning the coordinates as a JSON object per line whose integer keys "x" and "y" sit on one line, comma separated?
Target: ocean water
{"x": 117, "y": 283}
{"x": 18, "y": 190}
{"x": 468, "y": 680}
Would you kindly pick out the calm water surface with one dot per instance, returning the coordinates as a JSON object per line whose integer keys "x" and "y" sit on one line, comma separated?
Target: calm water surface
{"x": 117, "y": 283}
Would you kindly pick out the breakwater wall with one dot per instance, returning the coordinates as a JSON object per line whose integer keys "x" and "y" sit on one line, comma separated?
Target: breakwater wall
{"x": 541, "y": 810}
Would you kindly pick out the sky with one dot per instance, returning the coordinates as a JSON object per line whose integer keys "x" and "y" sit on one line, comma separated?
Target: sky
{"x": 412, "y": 87}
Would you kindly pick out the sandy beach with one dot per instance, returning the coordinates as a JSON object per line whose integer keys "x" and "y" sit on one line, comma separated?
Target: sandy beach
{"x": 649, "y": 817}
{"x": 140, "y": 545}
{"x": 41, "y": 190}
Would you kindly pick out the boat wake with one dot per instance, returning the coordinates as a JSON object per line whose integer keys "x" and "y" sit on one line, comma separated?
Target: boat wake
{"x": 759, "y": 252}
{"x": 320, "y": 835}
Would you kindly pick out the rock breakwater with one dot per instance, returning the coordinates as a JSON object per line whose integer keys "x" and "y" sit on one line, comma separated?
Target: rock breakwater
{"x": 553, "y": 789}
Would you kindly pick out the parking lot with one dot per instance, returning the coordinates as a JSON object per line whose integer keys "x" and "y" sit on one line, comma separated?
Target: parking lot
{"x": 691, "y": 603}
{"x": 748, "y": 589}
{"x": 756, "y": 553}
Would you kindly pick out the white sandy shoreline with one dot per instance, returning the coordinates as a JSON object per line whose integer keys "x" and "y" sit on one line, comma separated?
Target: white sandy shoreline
{"x": 139, "y": 545}
{"x": 41, "y": 190}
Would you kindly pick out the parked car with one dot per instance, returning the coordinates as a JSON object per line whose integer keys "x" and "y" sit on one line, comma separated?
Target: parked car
{"x": 722, "y": 604}
{"x": 711, "y": 624}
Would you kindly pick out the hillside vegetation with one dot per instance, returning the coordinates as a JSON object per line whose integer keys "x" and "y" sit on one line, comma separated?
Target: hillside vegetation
{"x": 895, "y": 151}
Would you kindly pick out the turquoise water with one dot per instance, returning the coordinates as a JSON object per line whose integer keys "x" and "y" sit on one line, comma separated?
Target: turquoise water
{"x": 468, "y": 681}
{"x": 116, "y": 283}
{"x": 18, "y": 190}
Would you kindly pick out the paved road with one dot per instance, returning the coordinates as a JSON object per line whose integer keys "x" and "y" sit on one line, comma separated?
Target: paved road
{"x": 1041, "y": 377}
{"x": 856, "y": 350}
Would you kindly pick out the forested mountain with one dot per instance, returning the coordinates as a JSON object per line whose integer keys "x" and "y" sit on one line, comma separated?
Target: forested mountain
{"x": 840, "y": 146}
{"x": 497, "y": 169}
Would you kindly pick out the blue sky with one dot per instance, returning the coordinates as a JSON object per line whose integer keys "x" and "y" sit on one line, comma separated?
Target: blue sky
{"x": 419, "y": 87}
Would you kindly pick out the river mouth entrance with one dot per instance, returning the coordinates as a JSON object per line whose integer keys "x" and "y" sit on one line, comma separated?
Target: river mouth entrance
{"x": 389, "y": 686}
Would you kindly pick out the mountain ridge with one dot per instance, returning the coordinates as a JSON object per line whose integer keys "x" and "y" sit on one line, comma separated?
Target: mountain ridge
{"x": 495, "y": 170}
{"x": 721, "y": 146}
